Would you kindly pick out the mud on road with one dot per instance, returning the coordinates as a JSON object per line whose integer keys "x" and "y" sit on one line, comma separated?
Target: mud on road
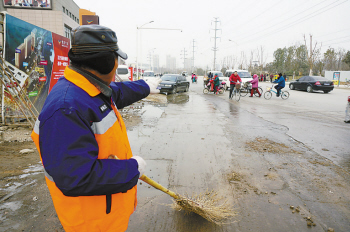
{"x": 288, "y": 182}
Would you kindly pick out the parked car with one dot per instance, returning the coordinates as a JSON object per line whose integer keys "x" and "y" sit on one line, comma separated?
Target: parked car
{"x": 148, "y": 74}
{"x": 312, "y": 83}
{"x": 123, "y": 73}
{"x": 173, "y": 83}
{"x": 243, "y": 74}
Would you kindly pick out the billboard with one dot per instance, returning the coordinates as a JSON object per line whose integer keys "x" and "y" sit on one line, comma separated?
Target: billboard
{"x": 90, "y": 19}
{"x": 28, "y": 4}
{"x": 36, "y": 57}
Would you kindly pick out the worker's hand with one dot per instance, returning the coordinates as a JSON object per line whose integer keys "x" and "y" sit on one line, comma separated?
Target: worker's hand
{"x": 142, "y": 164}
{"x": 153, "y": 84}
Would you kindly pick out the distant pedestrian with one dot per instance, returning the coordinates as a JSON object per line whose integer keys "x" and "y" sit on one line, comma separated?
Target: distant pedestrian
{"x": 210, "y": 75}
{"x": 347, "y": 112}
{"x": 271, "y": 78}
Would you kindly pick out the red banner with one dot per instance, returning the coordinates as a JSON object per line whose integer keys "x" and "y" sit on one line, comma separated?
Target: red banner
{"x": 131, "y": 73}
{"x": 61, "y": 47}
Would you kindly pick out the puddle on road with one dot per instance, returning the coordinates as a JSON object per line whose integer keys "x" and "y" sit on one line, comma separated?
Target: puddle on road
{"x": 15, "y": 205}
{"x": 149, "y": 109}
{"x": 164, "y": 100}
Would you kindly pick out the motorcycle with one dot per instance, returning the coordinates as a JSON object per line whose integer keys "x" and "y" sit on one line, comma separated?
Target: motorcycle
{"x": 194, "y": 79}
{"x": 209, "y": 88}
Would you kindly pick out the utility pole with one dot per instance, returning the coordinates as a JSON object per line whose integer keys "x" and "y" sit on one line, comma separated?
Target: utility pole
{"x": 215, "y": 48}
{"x": 311, "y": 58}
{"x": 184, "y": 54}
{"x": 193, "y": 56}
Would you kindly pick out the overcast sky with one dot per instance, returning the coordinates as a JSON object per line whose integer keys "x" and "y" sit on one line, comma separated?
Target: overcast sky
{"x": 244, "y": 26}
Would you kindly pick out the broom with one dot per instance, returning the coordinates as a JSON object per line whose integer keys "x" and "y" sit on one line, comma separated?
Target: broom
{"x": 204, "y": 205}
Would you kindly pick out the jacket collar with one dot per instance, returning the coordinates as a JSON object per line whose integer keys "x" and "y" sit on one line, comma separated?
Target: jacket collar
{"x": 87, "y": 81}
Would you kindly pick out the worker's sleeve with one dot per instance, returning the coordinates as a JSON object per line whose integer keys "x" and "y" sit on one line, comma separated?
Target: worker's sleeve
{"x": 69, "y": 153}
{"x": 127, "y": 92}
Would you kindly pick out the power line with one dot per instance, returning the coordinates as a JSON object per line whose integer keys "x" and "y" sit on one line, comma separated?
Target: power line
{"x": 298, "y": 21}
{"x": 344, "y": 41}
{"x": 337, "y": 38}
{"x": 264, "y": 29}
{"x": 250, "y": 20}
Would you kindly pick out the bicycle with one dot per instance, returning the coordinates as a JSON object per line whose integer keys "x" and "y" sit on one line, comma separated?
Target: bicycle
{"x": 247, "y": 88}
{"x": 347, "y": 83}
{"x": 236, "y": 93}
{"x": 269, "y": 90}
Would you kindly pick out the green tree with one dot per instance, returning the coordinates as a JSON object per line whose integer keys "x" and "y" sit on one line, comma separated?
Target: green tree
{"x": 330, "y": 59}
{"x": 290, "y": 60}
{"x": 301, "y": 66}
{"x": 280, "y": 59}
{"x": 346, "y": 58}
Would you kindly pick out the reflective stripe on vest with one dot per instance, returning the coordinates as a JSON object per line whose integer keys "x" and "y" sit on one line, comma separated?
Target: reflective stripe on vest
{"x": 106, "y": 123}
{"x": 36, "y": 126}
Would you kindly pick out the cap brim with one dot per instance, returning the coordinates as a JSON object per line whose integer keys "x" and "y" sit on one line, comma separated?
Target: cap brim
{"x": 121, "y": 54}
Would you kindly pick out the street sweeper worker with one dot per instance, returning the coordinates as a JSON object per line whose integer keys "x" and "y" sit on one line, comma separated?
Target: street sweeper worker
{"x": 80, "y": 128}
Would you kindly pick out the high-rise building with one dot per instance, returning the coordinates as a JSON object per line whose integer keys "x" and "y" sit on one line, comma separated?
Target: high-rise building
{"x": 155, "y": 62}
{"x": 170, "y": 63}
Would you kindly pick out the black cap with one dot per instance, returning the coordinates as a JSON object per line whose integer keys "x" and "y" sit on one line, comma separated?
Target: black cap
{"x": 88, "y": 39}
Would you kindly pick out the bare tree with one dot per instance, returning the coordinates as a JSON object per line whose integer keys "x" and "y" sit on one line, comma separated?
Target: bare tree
{"x": 242, "y": 61}
{"x": 313, "y": 55}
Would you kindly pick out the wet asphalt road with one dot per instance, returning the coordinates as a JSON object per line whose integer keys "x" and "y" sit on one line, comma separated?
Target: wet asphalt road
{"x": 262, "y": 156}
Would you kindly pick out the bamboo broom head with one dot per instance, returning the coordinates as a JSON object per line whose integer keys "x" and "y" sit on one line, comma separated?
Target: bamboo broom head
{"x": 206, "y": 206}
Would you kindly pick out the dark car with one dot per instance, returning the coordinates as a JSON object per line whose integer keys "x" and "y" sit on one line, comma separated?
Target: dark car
{"x": 312, "y": 83}
{"x": 173, "y": 83}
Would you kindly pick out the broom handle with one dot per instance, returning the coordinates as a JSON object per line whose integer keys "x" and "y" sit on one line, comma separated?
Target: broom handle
{"x": 158, "y": 186}
{"x": 152, "y": 182}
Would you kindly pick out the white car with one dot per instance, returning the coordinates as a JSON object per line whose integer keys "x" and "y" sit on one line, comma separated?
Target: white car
{"x": 148, "y": 74}
{"x": 123, "y": 73}
{"x": 243, "y": 74}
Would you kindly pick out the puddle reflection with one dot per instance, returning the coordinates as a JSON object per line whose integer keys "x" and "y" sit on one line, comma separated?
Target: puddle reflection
{"x": 178, "y": 98}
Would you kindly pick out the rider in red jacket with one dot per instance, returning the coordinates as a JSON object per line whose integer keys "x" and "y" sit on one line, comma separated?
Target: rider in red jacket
{"x": 234, "y": 79}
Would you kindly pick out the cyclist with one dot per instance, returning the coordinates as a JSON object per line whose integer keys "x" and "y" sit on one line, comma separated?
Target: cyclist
{"x": 234, "y": 79}
{"x": 255, "y": 85}
{"x": 281, "y": 84}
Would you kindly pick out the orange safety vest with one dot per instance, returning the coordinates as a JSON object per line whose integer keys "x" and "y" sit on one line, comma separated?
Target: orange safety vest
{"x": 88, "y": 213}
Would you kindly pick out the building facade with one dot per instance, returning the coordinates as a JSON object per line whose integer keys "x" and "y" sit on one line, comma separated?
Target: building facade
{"x": 58, "y": 16}
{"x": 170, "y": 63}
{"x": 155, "y": 62}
